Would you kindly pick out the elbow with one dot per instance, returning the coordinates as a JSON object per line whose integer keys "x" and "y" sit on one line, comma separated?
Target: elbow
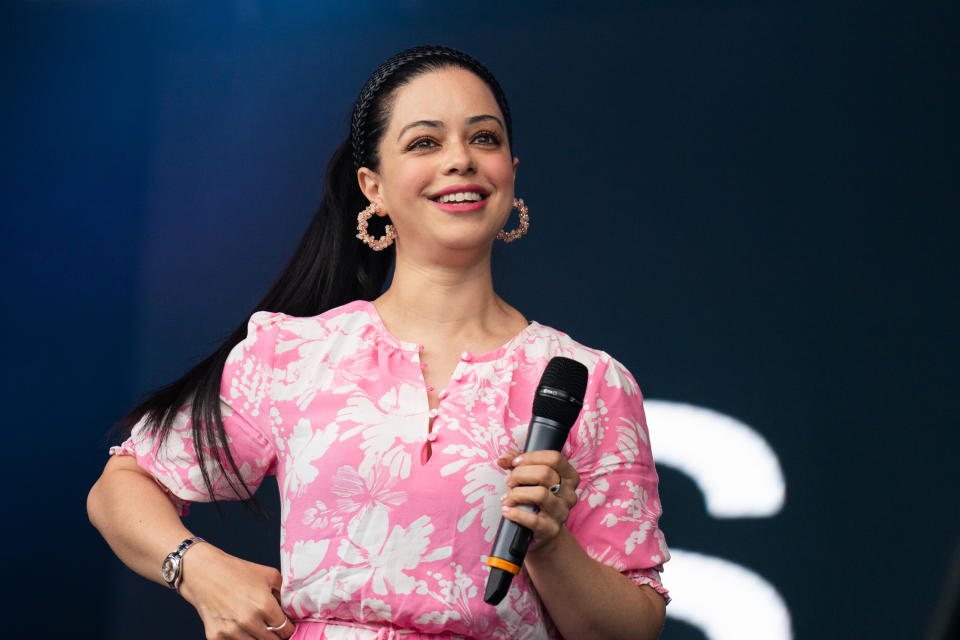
{"x": 656, "y": 611}
{"x": 99, "y": 496}
{"x": 109, "y": 487}
{"x": 95, "y": 504}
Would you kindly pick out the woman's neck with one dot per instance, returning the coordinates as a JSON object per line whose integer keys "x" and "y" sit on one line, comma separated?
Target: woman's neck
{"x": 428, "y": 303}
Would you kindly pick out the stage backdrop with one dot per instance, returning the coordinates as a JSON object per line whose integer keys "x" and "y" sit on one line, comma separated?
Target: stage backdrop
{"x": 757, "y": 199}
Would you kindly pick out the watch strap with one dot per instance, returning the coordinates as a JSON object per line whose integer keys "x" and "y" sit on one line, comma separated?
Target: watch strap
{"x": 186, "y": 544}
{"x": 177, "y": 554}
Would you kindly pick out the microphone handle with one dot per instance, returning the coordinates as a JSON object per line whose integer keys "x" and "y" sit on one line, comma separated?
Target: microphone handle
{"x": 545, "y": 434}
{"x": 513, "y": 539}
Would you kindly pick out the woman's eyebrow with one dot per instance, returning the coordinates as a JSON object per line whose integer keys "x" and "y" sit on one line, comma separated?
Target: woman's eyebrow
{"x": 436, "y": 124}
{"x": 475, "y": 119}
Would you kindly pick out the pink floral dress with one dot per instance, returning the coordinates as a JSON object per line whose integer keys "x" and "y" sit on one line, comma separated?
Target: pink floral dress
{"x": 378, "y": 539}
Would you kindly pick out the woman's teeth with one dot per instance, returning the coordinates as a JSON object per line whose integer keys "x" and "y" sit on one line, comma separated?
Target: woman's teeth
{"x": 465, "y": 196}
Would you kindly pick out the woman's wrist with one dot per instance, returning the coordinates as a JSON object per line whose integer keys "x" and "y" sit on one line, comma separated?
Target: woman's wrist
{"x": 196, "y": 565}
{"x": 553, "y": 549}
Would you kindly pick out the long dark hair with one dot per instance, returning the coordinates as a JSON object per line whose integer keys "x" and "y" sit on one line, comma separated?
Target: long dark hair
{"x": 330, "y": 267}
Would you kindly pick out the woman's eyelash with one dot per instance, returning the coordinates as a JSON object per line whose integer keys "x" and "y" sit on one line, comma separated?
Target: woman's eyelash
{"x": 416, "y": 144}
{"x": 494, "y": 138}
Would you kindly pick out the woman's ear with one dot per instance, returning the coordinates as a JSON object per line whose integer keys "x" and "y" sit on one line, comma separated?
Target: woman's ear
{"x": 369, "y": 182}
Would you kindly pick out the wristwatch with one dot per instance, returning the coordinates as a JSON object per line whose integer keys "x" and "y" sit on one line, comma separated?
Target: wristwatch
{"x": 171, "y": 567}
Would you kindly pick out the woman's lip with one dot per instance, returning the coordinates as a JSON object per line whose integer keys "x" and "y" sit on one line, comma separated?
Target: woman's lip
{"x": 461, "y": 188}
{"x": 454, "y": 207}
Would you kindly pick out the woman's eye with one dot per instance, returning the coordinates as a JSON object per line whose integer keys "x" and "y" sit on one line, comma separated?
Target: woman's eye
{"x": 486, "y": 137}
{"x": 420, "y": 143}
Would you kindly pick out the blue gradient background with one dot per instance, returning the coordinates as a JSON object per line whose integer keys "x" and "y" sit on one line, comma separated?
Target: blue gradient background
{"x": 759, "y": 199}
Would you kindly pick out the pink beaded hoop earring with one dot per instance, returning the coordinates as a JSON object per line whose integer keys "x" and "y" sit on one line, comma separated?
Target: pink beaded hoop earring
{"x": 510, "y": 236}
{"x": 377, "y": 244}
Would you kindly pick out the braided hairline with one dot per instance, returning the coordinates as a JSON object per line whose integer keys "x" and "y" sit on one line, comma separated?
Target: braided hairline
{"x": 358, "y": 121}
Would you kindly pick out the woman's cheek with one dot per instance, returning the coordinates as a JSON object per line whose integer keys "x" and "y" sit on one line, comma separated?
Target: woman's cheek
{"x": 499, "y": 170}
{"x": 415, "y": 177}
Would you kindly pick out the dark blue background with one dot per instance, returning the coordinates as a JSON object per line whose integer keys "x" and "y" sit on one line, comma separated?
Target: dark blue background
{"x": 752, "y": 205}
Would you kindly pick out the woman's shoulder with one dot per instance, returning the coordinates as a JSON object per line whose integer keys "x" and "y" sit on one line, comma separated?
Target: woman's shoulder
{"x": 354, "y": 314}
{"x": 276, "y": 333}
{"x": 547, "y": 342}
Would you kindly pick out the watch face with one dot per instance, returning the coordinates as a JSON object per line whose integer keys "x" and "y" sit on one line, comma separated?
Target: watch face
{"x": 169, "y": 569}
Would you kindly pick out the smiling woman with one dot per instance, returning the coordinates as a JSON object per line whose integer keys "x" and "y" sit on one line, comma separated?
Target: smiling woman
{"x": 446, "y": 179}
{"x": 393, "y": 419}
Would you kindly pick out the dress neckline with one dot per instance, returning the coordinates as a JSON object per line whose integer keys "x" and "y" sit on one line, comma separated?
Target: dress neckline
{"x": 496, "y": 354}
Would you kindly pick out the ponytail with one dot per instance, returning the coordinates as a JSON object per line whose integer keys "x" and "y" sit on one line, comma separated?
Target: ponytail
{"x": 329, "y": 268}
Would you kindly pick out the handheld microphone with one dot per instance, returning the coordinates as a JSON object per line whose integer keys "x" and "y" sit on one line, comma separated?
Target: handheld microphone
{"x": 556, "y": 405}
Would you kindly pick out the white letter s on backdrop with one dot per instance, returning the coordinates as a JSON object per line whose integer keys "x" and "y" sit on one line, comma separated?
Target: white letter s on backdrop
{"x": 740, "y": 477}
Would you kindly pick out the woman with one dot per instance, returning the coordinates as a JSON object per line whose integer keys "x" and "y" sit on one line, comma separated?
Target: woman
{"x": 393, "y": 422}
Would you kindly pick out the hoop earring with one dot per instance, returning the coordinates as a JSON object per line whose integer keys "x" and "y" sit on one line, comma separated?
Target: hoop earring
{"x": 377, "y": 244}
{"x": 524, "y": 223}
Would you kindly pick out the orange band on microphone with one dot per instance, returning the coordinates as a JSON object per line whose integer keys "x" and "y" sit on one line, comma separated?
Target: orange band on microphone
{"x": 500, "y": 563}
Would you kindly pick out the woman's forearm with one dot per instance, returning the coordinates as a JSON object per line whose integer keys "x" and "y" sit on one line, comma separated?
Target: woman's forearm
{"x": 135, "y": 517}
{"x": 587, "y": 599}
{"x": 234, "y": 598}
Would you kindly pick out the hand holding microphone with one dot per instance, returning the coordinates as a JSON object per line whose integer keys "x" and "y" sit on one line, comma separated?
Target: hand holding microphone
{"x": 546, "y": 480}
{"x": 542, "y": 484}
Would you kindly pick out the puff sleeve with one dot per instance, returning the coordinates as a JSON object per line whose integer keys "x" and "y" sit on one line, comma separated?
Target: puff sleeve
{"x": 616, "y": 517}
{"x": 245, "y": 405}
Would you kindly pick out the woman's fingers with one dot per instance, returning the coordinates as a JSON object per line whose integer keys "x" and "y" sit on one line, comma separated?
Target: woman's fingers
{"x": 546, "y": 523}
{"x": 265, "y": 611}
{"x": 247, "y": 619}
{"x": 283, "y": 626}
{"x": 553, "y": 459}
{"x": 547, "y": 503}
{"x": 236, "y": 627}
{"x": 532, "y": 475}
{"x": 216, "y": 628}
{"x": 277, "y": 618}
{"x": 505, "y": 461}
{"x": 269, "y": 614}
{"x": 283, "y": 631}
{"x": 545, "y": 468}
{"x": 235, "y": 598}
{"x": 225, "y": 633}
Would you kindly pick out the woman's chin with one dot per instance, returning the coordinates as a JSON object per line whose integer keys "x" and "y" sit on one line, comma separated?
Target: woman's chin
{"x": 463, "y": 247}
{"x": 452, "y": 247}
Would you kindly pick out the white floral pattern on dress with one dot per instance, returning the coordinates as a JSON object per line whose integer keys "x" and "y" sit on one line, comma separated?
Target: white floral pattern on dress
{"x": 377, "y": 543}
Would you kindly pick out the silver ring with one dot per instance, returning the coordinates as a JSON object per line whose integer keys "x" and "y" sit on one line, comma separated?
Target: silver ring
{"x": 555, "y": 489}
{"x": 285, "y": 620}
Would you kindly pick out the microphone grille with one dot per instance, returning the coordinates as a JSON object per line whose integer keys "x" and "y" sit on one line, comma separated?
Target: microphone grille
{"x": 567, "y": 375}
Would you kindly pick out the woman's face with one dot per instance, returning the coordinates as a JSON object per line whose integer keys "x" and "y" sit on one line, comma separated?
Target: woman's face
{"x": 446, "y": 174}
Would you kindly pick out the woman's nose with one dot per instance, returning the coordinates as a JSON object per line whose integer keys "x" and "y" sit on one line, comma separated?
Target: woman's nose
{"x": 459, "y": 159}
